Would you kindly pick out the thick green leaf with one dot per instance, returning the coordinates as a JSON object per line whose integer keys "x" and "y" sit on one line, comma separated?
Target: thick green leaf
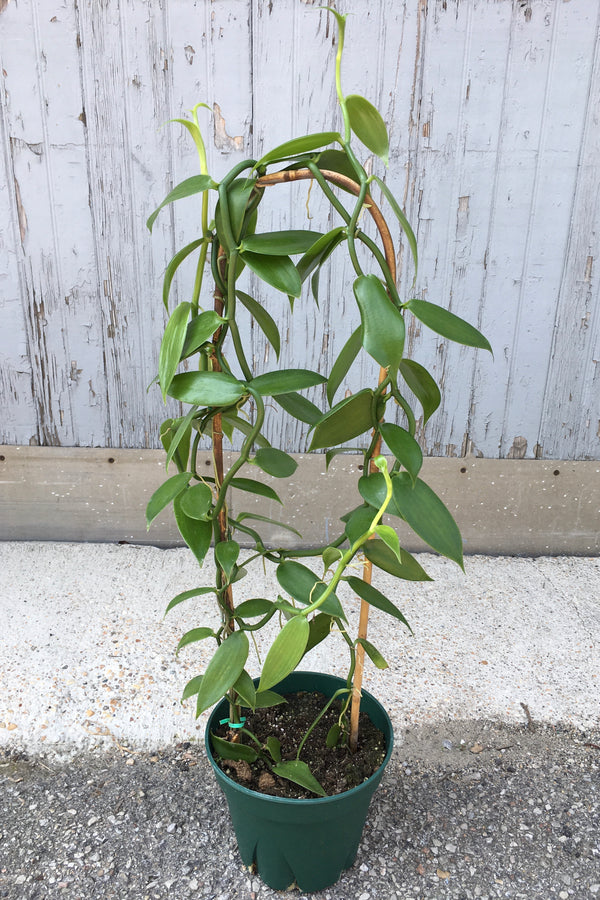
{"x": 281, "y": 243}
{"x": 381, "y": 556}
{"x": 265, "y": 321}
{"x": 278, "y": 271}
{"x": 227, "y": 750}
{"x": 177, "y": 443}
{"x": 368, "y": 126}
{"x": 200, "y": 330}
{"x": 226, "y": 555}
{"x": 247, "y": 515}
{"x": 297, "y": 771}
{"x": 320, "y": 628}
{"x": 373, "y": 653}
{"x": 185, "y": 595}
{"x": 389, "y": 537}
{"x": 192, "y": 687}
{"x": 195, "y": 533}
{"x": 274, "y": 748}
{"x": 223, "y": 670}
{"x": 207, "y": 388}
{"x": 244, "y": 687}
{"x": 163, "y": 495}
{"x": 404, "y": 223}
{"x": 174, "y": 264}
{"x": 299, "y": 407}
{"x": 331, "y": 556}
{"x": 285, "y": 652}
{"x": 422, "y": 385}
{"x": 194, "y": 185}
{"x": 447, "y": 324}
{"x": 250, "y": 609}
{"x": 265, "y": 699}
{"x": 255, "y": 487}
{"x": 373, "y": 490}
{"x": 337, "y": 161}
{"x": 319, "y": 252}
{"x": 348, "y": 419}
{"x": 299, "y": 145}
{"x": 341, "y": 366}
{"x": 359, "y": 522}
{"x": 196, "y": 634}
{"x": 382, "y": 324}
{"x": 404, "y": 447}
{"x": 423, "y": 510}
{"x": 375, "y": 598}
{"x": 275, "y": 462}
{"x": 239, "y": 193}
{"x": 287, "y": 381}
{"x": 304, "y": 586}
{"x": 197, "y": 501}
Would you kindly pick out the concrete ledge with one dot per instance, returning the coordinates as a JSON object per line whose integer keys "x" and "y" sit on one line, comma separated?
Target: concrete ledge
{"x": 516, "y": 507}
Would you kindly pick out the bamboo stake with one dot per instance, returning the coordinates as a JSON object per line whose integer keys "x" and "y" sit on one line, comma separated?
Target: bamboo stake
{"x": 390, "y": 257}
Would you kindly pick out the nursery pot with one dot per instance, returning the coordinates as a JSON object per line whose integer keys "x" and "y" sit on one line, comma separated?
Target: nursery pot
{"x": 309, "y": 842}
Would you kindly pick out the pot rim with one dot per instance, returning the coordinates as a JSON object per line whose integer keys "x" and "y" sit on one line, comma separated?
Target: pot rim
{"x": 295, "y": 801}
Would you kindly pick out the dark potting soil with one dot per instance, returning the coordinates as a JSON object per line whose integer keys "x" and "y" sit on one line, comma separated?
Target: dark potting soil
{"x": 336, "y": 769}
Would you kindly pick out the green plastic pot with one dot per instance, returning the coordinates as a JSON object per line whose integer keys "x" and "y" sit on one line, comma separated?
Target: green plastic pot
{"x": 309, "y": 842}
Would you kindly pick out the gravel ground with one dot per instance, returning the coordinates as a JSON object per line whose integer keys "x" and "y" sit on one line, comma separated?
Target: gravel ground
{"x": 465, "y": 810}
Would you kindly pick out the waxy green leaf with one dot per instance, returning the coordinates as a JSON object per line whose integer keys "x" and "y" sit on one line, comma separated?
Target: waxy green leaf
{"x": 389, "y": 537}
{"x": 195, "y": 533}
{"x": 194, "y": 185}
{"x": 172, "y": 345}
{"x": 275, "y": 462}
{"x": 251, "y": 609}
{"x": 259, "y": 518}
{"x": 299, "y": 145}
{"x": 447, "y": 324}
{"x": 368, "y": 126}
{"x": 192, "y": 687}
{"x": 266, "y": 699}
{"x": 375, "y": 598}
{"x": 320, "y": 628}
{"x": 191, "y": 637}
{"x": 382, "y": 324}
{"x": 373, "y": 653}
{"x": 404, "y": 447}
{"x": 274, "y": 748}
{"x": 239, "y": 194}
{"x": 223, "y": 670}
{"x": 245, "y": 688}
{"x": 185, "y": 595}
{"x": 226, "y": 556}
{"x": 197, "y": 501}
{"x": 177, "y": 443}
{"x": 348, "y": 419}
{"x": 422, "y": 385}
{"x": 285, "y": 652}
{"x": 381, "y": 556}
{"x": 280, "y": 243}
{"x": 320, "y": 251}
{"x": 227, "y": 750}
{"x": 207, "y": 388}
{"x": 297, "y": 771}
{"x": 304, "y": 586}
{"x": 163, "y": 495}
{"x": 337, "y": 161}
{"x": 264, "y": 320}
{"x": 200, "y": 330}
{"x": 428, "y": 517}
{"x": 341, "y": 366}
{"x": 255, "y": 487}
{"x": 284, "y": 382}
{"x": 299, "y": 407}
{"x": 174, "y": 264}
{"x": 278, "y": 271}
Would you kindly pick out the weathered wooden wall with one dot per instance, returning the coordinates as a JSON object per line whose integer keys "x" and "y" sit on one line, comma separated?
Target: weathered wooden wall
{"x": 494, "y": 109}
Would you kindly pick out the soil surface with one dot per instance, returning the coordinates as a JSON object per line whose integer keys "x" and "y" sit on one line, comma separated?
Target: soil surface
{"x": 336, "y": 769}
